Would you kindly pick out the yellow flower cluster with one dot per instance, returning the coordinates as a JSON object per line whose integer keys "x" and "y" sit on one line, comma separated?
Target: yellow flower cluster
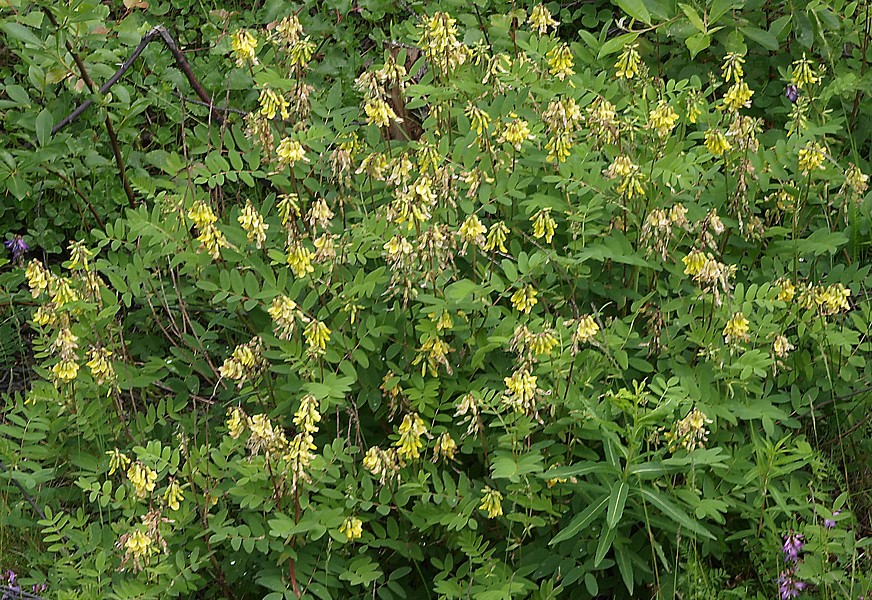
{"x": 245, "y": 362}
{"x": 803, "y": 74}
{"x": 629, "y": 62}
{"x": 540, "y": 19}
{"x": 300, "y": 260}
{"x": 236, "y": 422}
{"x": 736, "y": 329}
{"x": 253, "y": 224}
{"x": 631, "y": 177}
{"x": 317, "y": 335}
{"x": 204, "y": 220}
{"x": 435, "y": 350}
{"x": 244, "y": 46}
{"x": 118, "y": 461}
{"x": 690, "y": 432}
{"x": 138, "y": 545}
{"x": 496, "y": 237}
{"x": 491, "y": 503}
{"x": 811, "y": 158}
{"x": 381, "y": 463}
{"x": 833, "y": 299}
{"x": 560, "y": 62}
{"x": 472, "y": 231}
{"x": 143, "y": 479}
{"x": 100, "y": 363}
{"x": 738, "y": 96}
{"x": 521, "y": 390}
{"x": 65, "y": 345}
{"x": 716, "y": 142}
{"x": 378, "y": 112}
{"x": 173, "y": 496}
{"x": 543, "y": 225}
{"x": 307, "y": 416}
{"x": 411, "y": 429}
{"x": 515, "y": 132}
{"x": 524, "y": 299}
{"x": 787, "y": 290}
{"x": 290, "y": 152}
{"x": 587, "y": 329}
{"x": 272, "y": 103}
{"x": 352, "y": 528}
{"x": 37, "y": 277}
{"x": 445, "y": 448}
{"x": 781, "y": 347}
{"x": 662, "y": 119}
{"x": 439, "y": 40}
{"x": 283, "y": 312}
{"x": 732, "y": 68}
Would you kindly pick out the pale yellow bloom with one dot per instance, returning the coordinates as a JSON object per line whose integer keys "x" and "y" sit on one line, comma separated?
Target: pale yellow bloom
{"x": 236, "y": 422}
{"x": 143, "y": 479}
{"x": 716, "y": 142}
{"x": 352, "y": 527}
{"x": 244, "y": 46}
{"x": 290, "y": 152}
{"x": 736, "y": 328}
{"x": 138, "y": 544}
{"x": 411, "y": 429}
{"x": 693, "y": 263}
{"x": 317, "y": 335}
{"x": 491, "y": 503}
{"x": 628, "y": 62}
{"x": 253, "y": 224}
{"x": 300, "y": 260}
{"x": 662, "y": 119}
{"x": 524, "y": 299}
{"x": 803, "y": 73}
{"x": 540, "y": 19}
{"x": 587, "y": 329}
{"x": 272, "y": 103}
{"x": 515, "y": 132}
{"x": 496, "y": 237}
{"x": 173, "y": 496}
{"x": 738, "y": 96}
{"x": 560, "y": 62}
{"x": 543, "y": 225}
{"x": 37, "y": 277}
{"x": 811, "y": 158}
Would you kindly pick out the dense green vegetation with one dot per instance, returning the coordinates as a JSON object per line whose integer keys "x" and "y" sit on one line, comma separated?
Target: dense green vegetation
{"x": 457, "y": 299}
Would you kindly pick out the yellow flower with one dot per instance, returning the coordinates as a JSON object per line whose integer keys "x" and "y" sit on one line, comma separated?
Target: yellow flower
{"x": 472, "y": 230}
{"x": 732, "y": 67}
{"x": 803, "y": 74}
{"x": 201, "y": 214}
{"x": 560, "y": 62}
{"x": 587, "y": 329}
{"x": 173, "y": 496}
{"x": 496, "y": 237}
{"x": 690, "y": 432}
{"x": 787, "y": 292}
{"x": 290, "y": 151}
{"x": 352, "y": 527}
{"x": 101, "y": 365}
{"x": 300, "y": 260}
{"x": 781, "y": 346}
{"x": 411, "y": 429}
{"x": 559, "y": 145}
{"x": 378, "y": 112}
{"x": 143, "y": 479}
{"x": 543, "y": 225}
{"x": 445, "y": 448}
{"x": 521, "y": 388}
{"x": 317, "y": 335}
{"x": 283, "y": 313}
{"x": 540, "y": 19}
{"x": 236, "y": 422}
{"x": 272, "y": 103}
{"x": 515, "y": 132}
{"x": 738, "y": 96}
{"x": 37, "y": 277}
{"x": 856, "y": 180}
{"x": 61, "y": 293}
{"x": 524, "y": 299}
{"x": 628, "y": 62}
{"x": 253, "y": 224}
{"x": 138, "y": 544}
{"x": 491, "y": 503}
{"x": 662, "y": 119}
{"x": 693, "y": 263}
{"x": 118, "y": 461}
{"x": 834, "y": 299}
{"x": 811, "y": 158}
{"x": 736, "y": 328}
{"x": 716, "y": 142}
{"x": 66, "y": 370}
{"x": 244, "y": 46}
{"x": 307, "y": 416}
{"x": 543, "y": 343}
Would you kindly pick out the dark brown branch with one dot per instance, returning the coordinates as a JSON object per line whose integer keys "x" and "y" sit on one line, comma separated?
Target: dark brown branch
{"x": 158, "y": 32}
{"x": 110, "y": 130}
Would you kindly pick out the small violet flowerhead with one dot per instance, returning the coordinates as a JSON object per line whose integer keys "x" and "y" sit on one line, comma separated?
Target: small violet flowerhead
{"x": 789, "y": 586}
{"x": 830, "y": 523}
{"x": 17, "y": 246}
{"x": 791, "y": 93}
{"x": 792, "y": 547}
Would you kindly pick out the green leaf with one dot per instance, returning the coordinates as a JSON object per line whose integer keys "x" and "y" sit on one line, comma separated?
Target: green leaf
{"x": 44, "y": 123}
{"x": 764, "y": 38}
{"x": 617, "y": 500}
{"x": 697, "y": 43}
{"x": 622, "y": 557}
{"x": 615, "y": 44}
{"x": 636, "y": 9}
{"x": 673, "y": 512}
{"x": 693, "y": 17}
{"x": 603, "y": 547}
{"x": 581, "y": 520}
{"x": 19, "y": 32}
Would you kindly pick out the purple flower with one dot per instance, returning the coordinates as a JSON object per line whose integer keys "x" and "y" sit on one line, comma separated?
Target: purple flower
{"x": 830, "y": 523}
{"x": 39, "y": 588}
{"x": 792, "y": 547}
{"x": 11, "y": 577}
{"x": 791, "y": 93}
{"x": 17, "y": 246}
{"x": 789, "y": 587}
